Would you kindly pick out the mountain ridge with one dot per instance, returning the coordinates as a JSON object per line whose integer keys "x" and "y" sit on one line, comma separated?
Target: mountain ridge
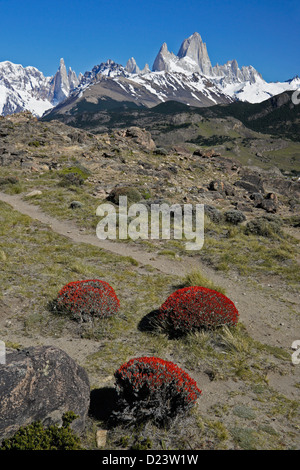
{"x": 187, "y": 77}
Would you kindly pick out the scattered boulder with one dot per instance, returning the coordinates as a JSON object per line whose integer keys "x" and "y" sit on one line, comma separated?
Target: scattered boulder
{"x": 100, "y": 193}
{"x": 272, "y": 196}
{"x": 35, "y": 192}
{"x": 160, "y": 151}
{"x": 216, "y": 186}
{"x": 229, "y": 189}
{"x": 269, "y": 203}
{"x": 41, "y": 384}
{"x": 251, "y": 182}
{"x": 206, "y": 153}
{"x": 243, "y": 206}
{"x": 140, "y": 137}
{"x": 221, "y": 187}
{"x": 256, "y": 198}
{"x": 285, "y": 186}
{"x": 77, "y": 136}
{"x": 108, "y": 155}
{"x": 251, "y": 188}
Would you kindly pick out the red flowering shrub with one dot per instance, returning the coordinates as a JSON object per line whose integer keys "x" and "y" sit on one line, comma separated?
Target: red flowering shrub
{"x": 86, "y": 299}
{"x": 151, "y": 388}
{"x": 196, "y": 307}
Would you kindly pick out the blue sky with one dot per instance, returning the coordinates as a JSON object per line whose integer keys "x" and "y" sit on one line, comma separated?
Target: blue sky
{"x": 265, "y": 34}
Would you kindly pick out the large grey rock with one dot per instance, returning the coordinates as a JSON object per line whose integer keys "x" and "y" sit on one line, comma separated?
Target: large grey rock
{"x": 141, "y": 137}
{"x": 41, "y": 384}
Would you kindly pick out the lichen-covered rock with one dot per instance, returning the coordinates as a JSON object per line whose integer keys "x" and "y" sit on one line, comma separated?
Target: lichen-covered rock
{"x": 41, "y": 384}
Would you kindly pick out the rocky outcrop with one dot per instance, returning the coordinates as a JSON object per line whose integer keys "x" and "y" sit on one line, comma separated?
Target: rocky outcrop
{"x": 41, "y": 384}
{"x": 140, "y": 137}
{"x": 251, "y": 182}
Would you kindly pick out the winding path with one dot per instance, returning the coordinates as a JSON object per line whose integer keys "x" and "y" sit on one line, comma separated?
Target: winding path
{"x": 267, "y": 317}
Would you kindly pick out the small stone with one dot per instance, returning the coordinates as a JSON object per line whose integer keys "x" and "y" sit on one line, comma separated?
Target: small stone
{"x": 101, "y": 437}
{"x": 35, "y": 192}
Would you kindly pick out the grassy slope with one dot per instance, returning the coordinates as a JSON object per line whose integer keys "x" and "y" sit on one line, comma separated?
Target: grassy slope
{"x": 36, "y": 263}
{"x": 226, "y": 246}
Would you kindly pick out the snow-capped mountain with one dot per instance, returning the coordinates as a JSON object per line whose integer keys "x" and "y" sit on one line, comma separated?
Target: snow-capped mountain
{"x": 26, "y": 88}
{"x": 244, "y": 84}
{"x": 260, "y": 90}
{"x": 110, "y": 80}
{"x": 188, "y": 77}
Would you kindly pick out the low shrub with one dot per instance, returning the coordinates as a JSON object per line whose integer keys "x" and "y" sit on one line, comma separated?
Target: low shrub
{"x": 132, "y": 194}
{"x": 78, "y": 169}
{"x": 264, "y": 227}
{"x": 213, "y": 213}
{"x": 234, "y": 217}
{"x": 71, "y": 179}
{"x": 196, "y": 307}
{"x": 36, "y": 437}
{"x": 8, "y": 180}
{"x": 150, "y": 388}
{"x": 87, "y": 299}
{"x": 73, "y": 175}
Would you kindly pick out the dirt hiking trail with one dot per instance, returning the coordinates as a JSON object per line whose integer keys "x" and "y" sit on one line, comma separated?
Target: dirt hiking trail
{"x": 268, "y": 313}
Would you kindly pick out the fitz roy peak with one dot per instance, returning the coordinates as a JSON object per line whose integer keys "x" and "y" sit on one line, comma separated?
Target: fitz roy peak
{"x": 196, "y": 50}
{"x": 193, "y": 57}
{"x": 244, "y": 84}
{"x": 188, "y": 77}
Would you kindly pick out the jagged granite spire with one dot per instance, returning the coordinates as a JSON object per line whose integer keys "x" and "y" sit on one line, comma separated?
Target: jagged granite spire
{"x": 163, "y": 59}
{"x": 146, "y": 69}
{"x": 63, "y": 83}
{"x": 72, "y": 79}
{"x": 131, "y": 66}
{"x": 194, "y": 48}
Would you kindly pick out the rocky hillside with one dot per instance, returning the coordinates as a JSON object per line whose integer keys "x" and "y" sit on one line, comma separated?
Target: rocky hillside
{"x": 52, "y": 179}
{"x": 29, "y": 143}
{"x": 264, "y": 134}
